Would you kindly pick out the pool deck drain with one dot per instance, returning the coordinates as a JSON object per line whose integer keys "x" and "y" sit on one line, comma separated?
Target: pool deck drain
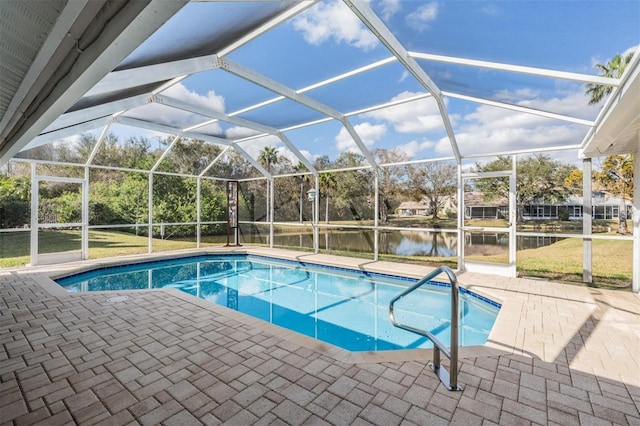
{"x": 117, "y": 299}
{"x": 560, "y": 354}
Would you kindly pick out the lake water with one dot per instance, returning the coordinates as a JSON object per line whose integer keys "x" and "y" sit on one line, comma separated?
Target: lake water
{"x": 407, "y": 243}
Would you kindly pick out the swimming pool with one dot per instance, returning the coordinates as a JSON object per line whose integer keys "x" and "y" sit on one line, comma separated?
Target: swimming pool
{"x": 347, "y": 308}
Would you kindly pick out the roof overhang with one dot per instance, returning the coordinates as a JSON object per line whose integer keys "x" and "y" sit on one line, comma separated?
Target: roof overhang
{"x": 617, "y": 130}
{"x": 88, "y": 39}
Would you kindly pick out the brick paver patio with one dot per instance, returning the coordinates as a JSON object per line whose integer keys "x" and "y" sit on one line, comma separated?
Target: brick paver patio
{"x": 560, "y": 354}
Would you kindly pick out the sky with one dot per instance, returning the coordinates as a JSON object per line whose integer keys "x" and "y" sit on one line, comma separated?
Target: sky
{"x": 328, "y": 40}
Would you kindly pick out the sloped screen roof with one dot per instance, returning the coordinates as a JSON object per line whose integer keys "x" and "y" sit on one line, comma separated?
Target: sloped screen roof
{"x": 431, "y": 79}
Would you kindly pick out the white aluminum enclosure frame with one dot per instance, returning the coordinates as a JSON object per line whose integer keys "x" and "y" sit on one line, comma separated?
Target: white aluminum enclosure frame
{"x": 94, "y": 75}
{"x": 58, "y": 257}
{"x": 508, "y": 269}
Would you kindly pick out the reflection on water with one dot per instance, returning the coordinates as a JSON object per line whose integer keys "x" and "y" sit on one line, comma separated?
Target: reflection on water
{"x": 411, "y": 243}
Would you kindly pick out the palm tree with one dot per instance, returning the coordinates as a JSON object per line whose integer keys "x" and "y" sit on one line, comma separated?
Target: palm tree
{"x": 612, "y": 69}
{"x": 268, "y": 156}
{"x": 302, "y": 178}
{"x": 328, "y": 183}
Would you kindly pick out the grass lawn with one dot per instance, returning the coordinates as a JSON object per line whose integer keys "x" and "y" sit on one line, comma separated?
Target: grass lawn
{"x": 14, "y": 246}
{"x": 612, "y": 259}
{"x": 562, "y": 261}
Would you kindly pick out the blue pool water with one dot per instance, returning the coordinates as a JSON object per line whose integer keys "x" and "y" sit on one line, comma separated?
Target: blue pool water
{"x": 346, "y": 308}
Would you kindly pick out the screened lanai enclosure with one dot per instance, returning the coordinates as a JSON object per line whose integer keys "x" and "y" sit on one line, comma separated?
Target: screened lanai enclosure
{"x": 497, "y": 137}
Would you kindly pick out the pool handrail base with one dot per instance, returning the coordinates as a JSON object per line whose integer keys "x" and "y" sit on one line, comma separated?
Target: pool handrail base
{"x": 449, "y": 380}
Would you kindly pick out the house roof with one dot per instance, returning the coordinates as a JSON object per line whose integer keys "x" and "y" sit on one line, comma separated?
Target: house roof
{"x": 412, "y": 205}
{"x": 477, "y": 199}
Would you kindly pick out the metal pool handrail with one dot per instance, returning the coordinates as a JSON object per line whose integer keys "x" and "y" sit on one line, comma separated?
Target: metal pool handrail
{"x": 449, "y": 380}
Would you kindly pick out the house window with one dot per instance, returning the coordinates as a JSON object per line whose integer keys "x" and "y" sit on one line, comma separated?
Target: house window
{"x": 615, "y": 212}
{"x": 577, "y": 211}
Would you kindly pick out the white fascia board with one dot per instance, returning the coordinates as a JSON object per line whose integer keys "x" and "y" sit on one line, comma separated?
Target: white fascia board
{"x": 133, "y": 24}
{"x": 107, "y": 109}
{"x": 519, "y": 108}
{"x": 119, "y": 80}
{"x": 619, "y": 119}
{"x": 541, "y": 72}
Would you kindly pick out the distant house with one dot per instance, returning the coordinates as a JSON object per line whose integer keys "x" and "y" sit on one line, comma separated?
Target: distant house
{"x": 413, "y": 208}
{"x": 476, "y": 207}
{"x": 605, "y": 206}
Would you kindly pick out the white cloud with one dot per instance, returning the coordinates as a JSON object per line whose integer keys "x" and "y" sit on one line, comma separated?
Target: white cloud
{"x": 389, "y": 8}
{"x": 286, "y": 153}
{"x": 517, "y": 95}
{"x": 574, "y": 104}
{"x": 490, "y": 10}
{"x": 369, "y": 133}
{"x": 179, "y": 118}
{"x": 254, "y": 146}
{"x": 334, "y": 21}
{"x": 210, "y": 100}
{"x": 413, "y": 147}
{"x": 632, "y": 49}
{"x": 238, "y": 132}
{"x": 420, "y": 18}
{"x": 412, "y": 117}
{"x": 490, "y": 129}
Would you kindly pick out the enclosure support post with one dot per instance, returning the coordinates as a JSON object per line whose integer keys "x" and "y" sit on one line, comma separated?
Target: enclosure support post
{"x": 513, "y": 217}
{"x": 198, "y": 212}
{"x": 271, "y": 210}
{"x": 150, "y": 215}
{"x": 85, "y": 215}
{"x": 34, "y": 216}
{"x": 587, "y": 207}
{"x": 460, "y": 197}
{"x": 376, "y": 220}
{"x": 316, "y": 207}
{"x": 635, "y": 282}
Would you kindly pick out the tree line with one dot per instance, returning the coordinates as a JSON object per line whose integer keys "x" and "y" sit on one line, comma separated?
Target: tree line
{"x": 121, "y": 197}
